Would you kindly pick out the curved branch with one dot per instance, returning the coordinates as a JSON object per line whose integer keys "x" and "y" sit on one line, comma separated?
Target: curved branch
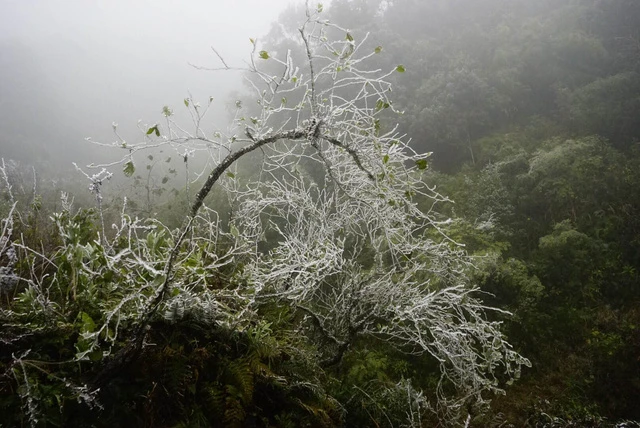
{"x": 154, "y": 303}
{"x": 353, "y": 154}
{"x": 295, "y": 134}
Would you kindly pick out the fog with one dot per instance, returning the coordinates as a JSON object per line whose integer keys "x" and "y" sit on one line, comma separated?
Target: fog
{"x": 68, "y": 69}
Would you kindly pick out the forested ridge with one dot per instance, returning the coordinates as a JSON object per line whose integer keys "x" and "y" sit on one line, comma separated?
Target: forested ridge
{"x": 531, "y": 110}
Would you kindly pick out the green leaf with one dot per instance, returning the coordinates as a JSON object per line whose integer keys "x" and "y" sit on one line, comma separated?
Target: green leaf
{"x": 253, "y": 41}
{"x": 349, "y": 37}
{"x": 129, "y": 169}
{"x": 231, "y": 175}
{"x": 87, "y": 322}
{"x": 422, "y": 164}
{"x": 153, "y": 129}
{"x": 381, "y": 104}
{"x": 320, "y": 7}
{"x": 166, "y": 111}
{"x": 264, "y": 54}
{"x": 400, "y": 69}
{"x": 150, "y": 157}
{"x": 164, "y": 180}
{"x": 186, "y": 102}
{"x": 378, "y": 49}
{"x": 385, "y": 159}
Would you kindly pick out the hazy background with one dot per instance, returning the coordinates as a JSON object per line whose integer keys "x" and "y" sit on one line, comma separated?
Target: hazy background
{"x": 69, "y": 68}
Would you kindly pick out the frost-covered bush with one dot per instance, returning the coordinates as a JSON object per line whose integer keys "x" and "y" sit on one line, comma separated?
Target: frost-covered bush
{"x": 345, "y": 258}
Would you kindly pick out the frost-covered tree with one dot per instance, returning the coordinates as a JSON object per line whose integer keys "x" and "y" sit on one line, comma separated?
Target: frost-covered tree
{"x": 358, "y": 252}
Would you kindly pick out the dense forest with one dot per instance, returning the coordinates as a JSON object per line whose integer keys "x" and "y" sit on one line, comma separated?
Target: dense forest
{"x": 448, "y": 235}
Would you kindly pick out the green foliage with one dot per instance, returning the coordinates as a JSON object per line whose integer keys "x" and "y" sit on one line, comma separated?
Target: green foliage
{"x": 608, "y": 107}
{"x": 197, "y": 373}
{"x": 154, "y": 129}
{"x": 129, "y": 169}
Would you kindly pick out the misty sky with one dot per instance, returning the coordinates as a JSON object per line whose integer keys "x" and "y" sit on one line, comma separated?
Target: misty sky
{"x": 69, "y": 68}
